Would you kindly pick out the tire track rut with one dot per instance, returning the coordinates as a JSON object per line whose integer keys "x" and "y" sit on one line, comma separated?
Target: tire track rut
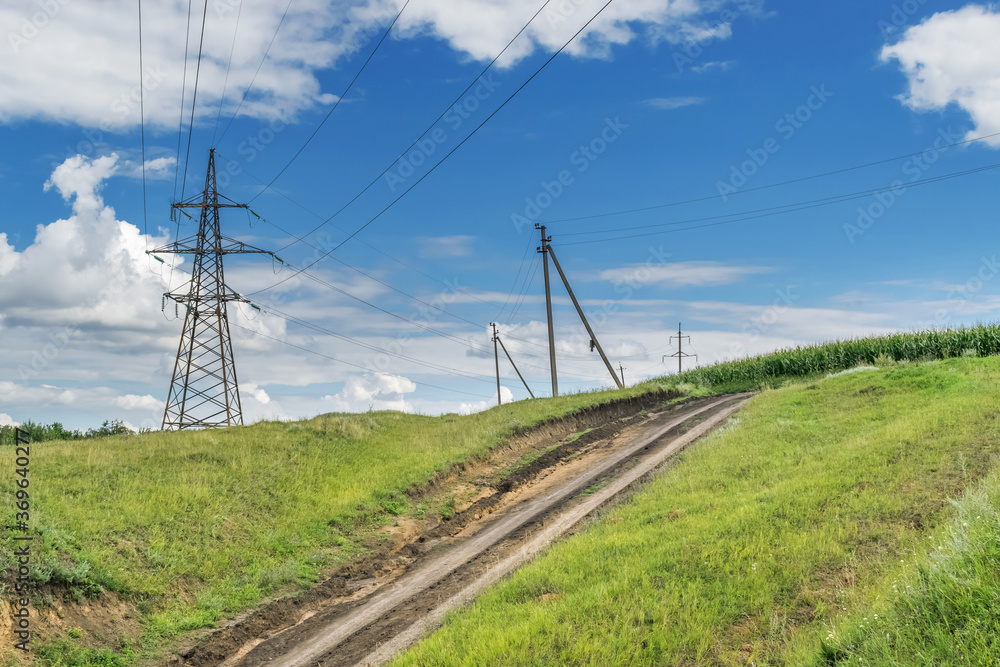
{"x": 501, "y": 532}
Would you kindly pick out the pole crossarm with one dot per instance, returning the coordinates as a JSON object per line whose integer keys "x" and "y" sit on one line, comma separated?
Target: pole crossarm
{"x": 186, "y": 297}
{"x": 680, "y": 354}
{"x": 227, "y": 246}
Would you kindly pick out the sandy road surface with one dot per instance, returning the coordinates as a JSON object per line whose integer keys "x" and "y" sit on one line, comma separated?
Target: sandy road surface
{"x": 399, "y": 613}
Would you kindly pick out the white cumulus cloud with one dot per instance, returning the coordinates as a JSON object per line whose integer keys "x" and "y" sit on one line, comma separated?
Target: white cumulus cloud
{"x": 86, "y": 270}
{"x": 373, "y": 392}
{"x": 506, "y": 396}
{"x": 954, "y": 57}
{"x": 134, "y": 402}
{"x": 78, "y": 62}
{"x": 257, "y": 392}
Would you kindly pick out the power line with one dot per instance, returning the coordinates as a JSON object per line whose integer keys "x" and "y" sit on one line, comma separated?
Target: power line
{"x": 823, "y": 202}
{"x": 833, "y": 200}
{"x": 447, "y": 155}
{"x": 373, "y": 278}
{"x": 270, "y": 309}
{"x": 429, "y": 127}
{"x": 229, "y": 66}
{"x": 414, "y": 323}
{"x": 529, "y": 279}
{"x": 261, "y": 64}
{"x": 517, "y": 278}
{"x": 180, "y": 121}
{"x": 347, "y": 363}
{"x": 369, "y": 346}
{"x": 142, "y": 129}
{"x": 361, "y": 241}
{"x": 337, "y": 104}
{"x": 773, "y": 185}
{"x": 194, "y": 98}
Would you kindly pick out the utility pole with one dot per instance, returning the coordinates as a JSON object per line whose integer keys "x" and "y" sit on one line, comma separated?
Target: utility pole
{"x": 204, "y": 391}
{"x": 544, "y": 249}
{"x": 579, "y": 311}
{"x": 496, "y": 359}
{"x": 498, "y": 339}
{"x": 622, "y": 372}
{"x": 680, "y": 354}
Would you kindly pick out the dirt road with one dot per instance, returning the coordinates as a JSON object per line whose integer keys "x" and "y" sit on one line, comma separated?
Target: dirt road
{"x": 368, "y": 625}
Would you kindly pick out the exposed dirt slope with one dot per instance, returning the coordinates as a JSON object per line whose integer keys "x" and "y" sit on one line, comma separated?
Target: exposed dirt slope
{"x": 507, "y": 517}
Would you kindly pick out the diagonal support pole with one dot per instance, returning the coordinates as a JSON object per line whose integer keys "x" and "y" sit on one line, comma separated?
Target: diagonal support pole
{"x": 579, "y": 310}
{"x": 504, "y": 348}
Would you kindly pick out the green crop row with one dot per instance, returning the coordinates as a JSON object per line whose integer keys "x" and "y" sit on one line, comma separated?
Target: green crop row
{"x": 755, "y": 372}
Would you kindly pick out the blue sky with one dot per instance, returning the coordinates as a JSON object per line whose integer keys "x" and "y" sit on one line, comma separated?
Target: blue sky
{"x": 656, "y": 104}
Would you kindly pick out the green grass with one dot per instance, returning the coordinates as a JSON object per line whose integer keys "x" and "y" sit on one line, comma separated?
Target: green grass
{"x": 942, "y": 610}
{"x": 792, "y": 517}
{"x": 199, "y": 525}
{"x": 62, "y": 653}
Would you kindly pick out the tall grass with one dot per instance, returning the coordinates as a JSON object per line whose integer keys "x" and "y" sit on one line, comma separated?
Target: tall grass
{"x": 945, "y": 609}
{"x": 755, "y": 372}
{"x": 757, "y": 538}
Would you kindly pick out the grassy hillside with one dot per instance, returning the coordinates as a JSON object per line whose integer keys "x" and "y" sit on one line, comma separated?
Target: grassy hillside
{"x": 790, "y": 520}
{"x": 200, "y": 525}
{"x": 197, "y": 526}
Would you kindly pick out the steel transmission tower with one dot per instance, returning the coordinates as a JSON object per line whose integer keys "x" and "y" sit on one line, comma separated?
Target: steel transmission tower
{"x": 204, "y": 390}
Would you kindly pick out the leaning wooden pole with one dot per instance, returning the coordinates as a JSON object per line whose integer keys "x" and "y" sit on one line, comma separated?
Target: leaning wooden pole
{"x": 579, "y": 310}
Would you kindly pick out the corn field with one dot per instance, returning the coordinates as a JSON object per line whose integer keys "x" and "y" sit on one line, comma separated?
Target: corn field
{"x": 753, "y": 372}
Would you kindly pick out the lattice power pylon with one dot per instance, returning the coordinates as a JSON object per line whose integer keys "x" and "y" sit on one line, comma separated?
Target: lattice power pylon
{"x": 203, "y": 390}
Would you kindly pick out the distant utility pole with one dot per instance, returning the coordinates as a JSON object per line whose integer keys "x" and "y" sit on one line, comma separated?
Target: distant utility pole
{"x": 203, "y": 389}
{"x": 622, "y": 372}
{"x": 497, "y": 339}
{"x": 496, "y": 359}
{"x": 680, "y": 354}
{"x": 547, "y": 252}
